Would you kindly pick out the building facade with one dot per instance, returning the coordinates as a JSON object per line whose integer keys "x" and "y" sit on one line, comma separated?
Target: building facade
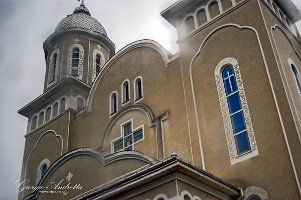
{"x": 221, "y": 119}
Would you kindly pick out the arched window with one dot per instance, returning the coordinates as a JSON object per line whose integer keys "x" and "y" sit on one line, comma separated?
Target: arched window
{"x": 42, "y": 169}
{"x": 296, "y": 77}
{"x": 62, "y": 105}
{"x": 98, "y": 64}
{"x": 138, "y": 89}
{"x": 186, "y": 197}
{"x": 201, "y": 16}
{"x": 275, "y": 8}
{"x": 213, "y": 9}
{"x": 48, "y": 114}
{"x": 189, "y": 23}
{"x": 226, "y": 4}
{"x": 53, "y": 68}
{"x": 125, "y": 92}
{"x": 34, "y": 122}
{"x": 281, "y": 16}
{"x": 80, "y": 103}
{"x": 254, "y": 197}
{"x": 55, "y": 109}
{"x": 113, "y": 103}
{"x": 75, "y": 62}
{"x": 239, "y": 128}
{"x": 288, "y": 22}
{"x": 41, "y": 118}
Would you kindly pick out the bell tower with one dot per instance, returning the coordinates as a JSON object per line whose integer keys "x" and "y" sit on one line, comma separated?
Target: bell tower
{"x": 78, "y": 48}
{"x": 75, "y": 54}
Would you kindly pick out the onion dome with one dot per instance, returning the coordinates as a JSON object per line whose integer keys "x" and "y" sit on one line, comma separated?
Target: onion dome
{"x": 81, "y": 20}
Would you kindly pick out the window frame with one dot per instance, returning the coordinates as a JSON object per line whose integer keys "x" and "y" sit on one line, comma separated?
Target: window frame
{"x": 122, "y": 136}
{"x": 123, "y": 100}
{"x": 98, "y": 65}
{"x": 102, "y": 63}
{"x": 233, "y": 153}
{"x": 53, "y": 70}
{"x": 80, "y": 61}
{"x": 39, "y": 170}
{"x": 136, "y": 91}
{"x": 110, "y": 104}
{"x": 53, "y": 67}
{"x": 295, "y": 75}
{"x": 75, "y": 61}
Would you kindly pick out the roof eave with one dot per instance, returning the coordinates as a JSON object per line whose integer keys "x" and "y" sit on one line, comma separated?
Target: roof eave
{"x": 290, "y": 9}
{"x": 287, "y": 5}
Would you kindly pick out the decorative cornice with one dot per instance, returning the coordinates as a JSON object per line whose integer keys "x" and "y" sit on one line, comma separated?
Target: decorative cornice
{"x": 51, "y": 94}
{"x": 90, "y": 152}
{"x": 156, "y": 171}
{"x": 166, "y": 56}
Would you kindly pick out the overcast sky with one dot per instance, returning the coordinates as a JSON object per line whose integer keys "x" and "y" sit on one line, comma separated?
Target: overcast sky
{"x": 24, "y": 25}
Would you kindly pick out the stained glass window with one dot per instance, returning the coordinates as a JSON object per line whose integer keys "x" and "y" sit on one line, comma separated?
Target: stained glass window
{"x": 239, "y": 128}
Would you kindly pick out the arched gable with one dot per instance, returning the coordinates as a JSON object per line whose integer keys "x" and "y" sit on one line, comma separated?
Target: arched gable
{"x": 84, "y": 163}
{"x": 165, "y": 55}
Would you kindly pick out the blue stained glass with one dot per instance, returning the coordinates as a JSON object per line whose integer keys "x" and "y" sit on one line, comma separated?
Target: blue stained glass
{"x": 229, "y": 80}
{"x": 127, "y": 129}
{"x": 138, "y": 135}
{"x": 234, "y": 103}
{"x": 297, "y": 78}
{"x": 238, "y": 122}
{"x": 43, "y": 169}
{"x": 118, "y": 145}
{"x": 242, "y": 143}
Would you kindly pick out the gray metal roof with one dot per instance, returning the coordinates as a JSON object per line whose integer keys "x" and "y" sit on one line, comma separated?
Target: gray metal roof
{"x": 81, "y": 20}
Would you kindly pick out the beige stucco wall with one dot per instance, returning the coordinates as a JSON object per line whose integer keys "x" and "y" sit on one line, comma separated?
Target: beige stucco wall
{"x": 88, "y": 43}
{"x": 162, "y": 89}
{"x": 88, "y": 171}
{"x": 243, "y": 45}
{"x": 48, "y": 142}
{"x": 192, "y": 129}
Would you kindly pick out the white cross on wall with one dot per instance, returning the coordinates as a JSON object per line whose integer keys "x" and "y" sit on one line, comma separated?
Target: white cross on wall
{"x": 69, "y": 176}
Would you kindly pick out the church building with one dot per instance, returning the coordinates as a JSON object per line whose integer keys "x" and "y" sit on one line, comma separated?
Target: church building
{"x": 219, "y": 120}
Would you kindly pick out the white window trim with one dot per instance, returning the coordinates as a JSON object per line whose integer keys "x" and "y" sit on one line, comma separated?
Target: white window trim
{"x": 291, "y": 62}
{"x": 102, "y": 57}
{"x": 142, "y": 90}
{"x": 257, "y": 191}
{"x": 82, "y": 98}
{"x": 50, "y": 117}
{"x": 185, "y": 192}
{"x": 185, "y": 23}
{"x": 56, "y": 51}
{"x": 110, "y": 104}
{"x": 43, "y": 120}
{"x": 36, "y": 124}
{"x": 60, "y": 105}
{"x": 81, "y": 60}
{"x": 58, "y": 108}
{"x": 234, "y": 157}
{"x": 45, "y": 161}
{"x": 160, "y": 196}
{"x": 121, "y": 135}
{"x": 122, "y": 93}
